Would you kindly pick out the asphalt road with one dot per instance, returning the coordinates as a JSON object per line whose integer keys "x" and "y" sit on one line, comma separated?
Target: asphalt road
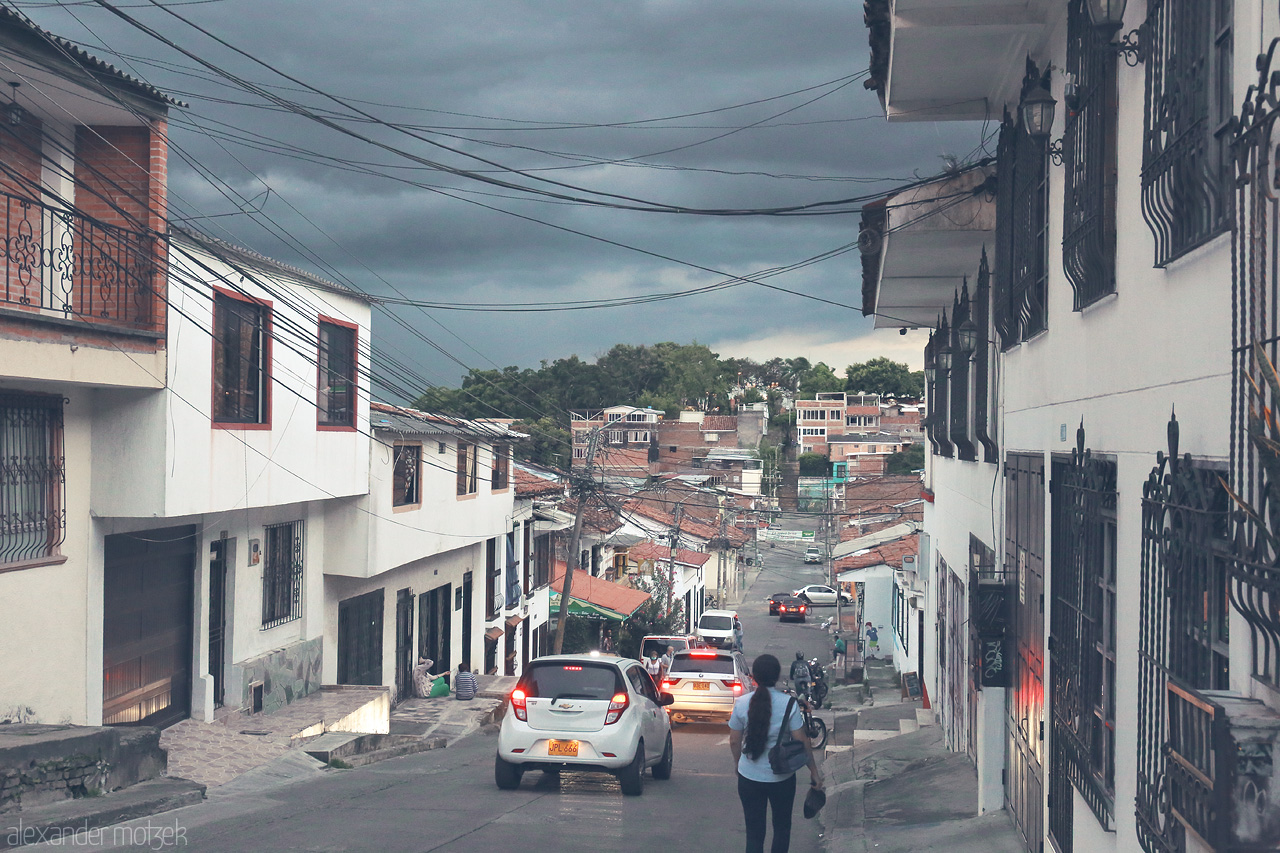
{"x": 446, "y": 800}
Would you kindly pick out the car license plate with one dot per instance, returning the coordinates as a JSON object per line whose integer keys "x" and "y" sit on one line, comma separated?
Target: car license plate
{"x": 701, "y": 685}
{"x": 563, "y": 747}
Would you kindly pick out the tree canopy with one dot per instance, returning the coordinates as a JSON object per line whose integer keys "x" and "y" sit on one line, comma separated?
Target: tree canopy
{"x": 666, "y": 376}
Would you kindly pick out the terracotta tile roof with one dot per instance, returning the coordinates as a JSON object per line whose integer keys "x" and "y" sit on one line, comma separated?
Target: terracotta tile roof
{"x": 889, "y": 554}
{"x": 720, "y": 423}
{"x": 531, "y": 485}
{"x": 650, "y": 550}
{"x": 607, "y": 594}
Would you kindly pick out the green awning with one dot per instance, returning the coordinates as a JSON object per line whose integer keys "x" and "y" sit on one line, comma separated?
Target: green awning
{"x": 585, "y": 609}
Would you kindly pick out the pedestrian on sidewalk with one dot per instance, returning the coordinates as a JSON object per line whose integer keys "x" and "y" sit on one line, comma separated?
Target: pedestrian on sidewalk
{"x": 839, "y": 650}
{"x": 754, "y": 726}
{"x": 465, "y": 686}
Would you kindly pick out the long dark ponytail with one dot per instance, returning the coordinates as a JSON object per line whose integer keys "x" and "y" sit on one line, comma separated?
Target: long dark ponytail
{"x": 765, "y": 669}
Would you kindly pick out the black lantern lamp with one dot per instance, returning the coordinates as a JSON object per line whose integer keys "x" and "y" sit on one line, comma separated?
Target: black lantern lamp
{"x": 1037, "y": 112}
{"x": 930, "y": 365}
{"x": 944, "y": 361}
{"x": 967, "y": 337}
{"x": 13, "y": 111}
{"x": 1106, "y": 15}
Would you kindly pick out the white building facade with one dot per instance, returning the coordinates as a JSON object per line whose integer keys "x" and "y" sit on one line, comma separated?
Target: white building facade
{"x": 1098, "y": 606}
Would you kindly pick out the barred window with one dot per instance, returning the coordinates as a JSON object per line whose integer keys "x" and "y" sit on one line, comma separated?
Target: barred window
{"x": 1083, "y": 651}
{"x": 1022, "y": 227}
{"x": 281, "y": 573}
{"x": 33, "y": 518}
{"x": 1089, "y": 156}
{"x": 1186, "y": 162}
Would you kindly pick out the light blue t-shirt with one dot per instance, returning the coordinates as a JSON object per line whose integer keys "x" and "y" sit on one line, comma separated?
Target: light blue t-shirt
{"x": 758, "y": 769}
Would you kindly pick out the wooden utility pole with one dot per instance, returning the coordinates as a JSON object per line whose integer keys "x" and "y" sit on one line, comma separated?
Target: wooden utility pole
{"x": 584, "y": 485}
{"x": 671, "y": 575}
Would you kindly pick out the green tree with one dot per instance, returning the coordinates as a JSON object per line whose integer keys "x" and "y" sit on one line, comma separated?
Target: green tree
{"x": 819, "y": 379}
{"x": 905, "y": 461}
{"x": 814, "y": 465}
{"x": 884, "y": 376}
{"x": 548, "y": 444}
{"x": 749, "y": 396}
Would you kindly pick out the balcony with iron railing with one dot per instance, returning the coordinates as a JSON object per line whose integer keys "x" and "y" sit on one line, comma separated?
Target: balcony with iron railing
{"x": 61, "y": 267}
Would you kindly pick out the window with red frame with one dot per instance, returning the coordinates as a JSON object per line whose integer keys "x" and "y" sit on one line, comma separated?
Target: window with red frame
{"x": 337, "y": 398}
{"x": 241, "y": 371}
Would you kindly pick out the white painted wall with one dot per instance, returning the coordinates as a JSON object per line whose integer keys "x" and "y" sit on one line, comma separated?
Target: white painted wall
{"x": 216, "y": 470}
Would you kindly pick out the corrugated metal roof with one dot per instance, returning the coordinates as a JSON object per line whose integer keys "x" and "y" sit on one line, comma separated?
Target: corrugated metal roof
{"x": 14, "y": 19}
{"x": 405, "y": 421}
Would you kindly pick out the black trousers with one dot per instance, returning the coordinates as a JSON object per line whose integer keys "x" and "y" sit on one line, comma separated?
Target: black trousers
{"x": 780, "y": 797}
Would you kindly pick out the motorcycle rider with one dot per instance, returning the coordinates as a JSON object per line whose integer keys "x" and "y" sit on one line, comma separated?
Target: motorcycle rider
{"x": 799, "y": 675}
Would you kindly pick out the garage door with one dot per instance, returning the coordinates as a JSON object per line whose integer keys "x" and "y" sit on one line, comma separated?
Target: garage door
{"x": 147, "y": 625}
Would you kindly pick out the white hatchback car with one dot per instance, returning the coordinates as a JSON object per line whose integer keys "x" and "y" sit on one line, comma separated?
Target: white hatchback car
{"x": 585, "y": 712}
{"x": 816, "y": 593}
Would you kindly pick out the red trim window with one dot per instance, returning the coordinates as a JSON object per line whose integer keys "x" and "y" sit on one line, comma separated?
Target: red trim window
{"x": 241, "y": 361}
{"x": 499, "y": 475}
{"x": 467, "y": 468}
{"x": 336, "y": 398}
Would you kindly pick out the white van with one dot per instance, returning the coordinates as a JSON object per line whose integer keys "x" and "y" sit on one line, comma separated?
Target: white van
{"x": 715, "y": 628}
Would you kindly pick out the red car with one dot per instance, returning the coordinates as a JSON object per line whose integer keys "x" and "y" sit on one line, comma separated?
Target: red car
{"x": 792, "y": 608}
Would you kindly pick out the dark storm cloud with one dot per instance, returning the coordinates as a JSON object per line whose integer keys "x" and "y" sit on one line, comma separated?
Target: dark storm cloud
{"x": 496, "y": 80}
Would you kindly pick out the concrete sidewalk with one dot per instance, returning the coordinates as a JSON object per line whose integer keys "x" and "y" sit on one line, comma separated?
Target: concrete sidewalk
{"x": 894, "y": 787}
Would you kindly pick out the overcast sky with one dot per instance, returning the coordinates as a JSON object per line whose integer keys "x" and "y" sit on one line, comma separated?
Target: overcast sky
{"x": 741, "y": 104}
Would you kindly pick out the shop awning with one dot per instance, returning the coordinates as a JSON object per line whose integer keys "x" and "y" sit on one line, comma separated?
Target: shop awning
{"x": 596, "y": 598}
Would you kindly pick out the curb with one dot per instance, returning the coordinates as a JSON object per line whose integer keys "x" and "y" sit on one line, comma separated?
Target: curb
{"x": 422, "y": 745}
{"x": 77, "y": 822}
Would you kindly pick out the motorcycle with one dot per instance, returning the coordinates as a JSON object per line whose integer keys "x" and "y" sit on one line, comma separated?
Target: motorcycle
{"x": 815, "y": 727}
{"x": 818, "y": 686}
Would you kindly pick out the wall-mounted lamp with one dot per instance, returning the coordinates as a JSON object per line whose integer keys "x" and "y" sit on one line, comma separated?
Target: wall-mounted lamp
{"x": 967, "y": 337}
{"x": 1107, "y": 17}
{"x": 1037, "y": 110}
{"x": 944, "y": 361}
{"x": 15, "y": 112}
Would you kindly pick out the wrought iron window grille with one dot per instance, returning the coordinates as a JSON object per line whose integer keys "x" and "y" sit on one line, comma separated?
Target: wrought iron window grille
{"x": 1181, "y": 643}
{"x": 1186, "y": 175}
{"x": 282, "y": 567}
{"x": 983, "y": 424}
{"x": 1088, "y": 149}
{"x": 1255, "y": 569}
{"x": 1022, "y": 226}
{"x": 33, "y": 515}
{"x": 1082, "y": 645}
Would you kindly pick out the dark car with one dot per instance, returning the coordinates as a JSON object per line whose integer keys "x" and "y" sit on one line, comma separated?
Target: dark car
{"x": 792, "y": 608}
{"x": 773, "y": 601}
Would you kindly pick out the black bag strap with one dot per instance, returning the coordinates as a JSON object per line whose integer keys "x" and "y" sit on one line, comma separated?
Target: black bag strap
{"x": 786, "y": 715}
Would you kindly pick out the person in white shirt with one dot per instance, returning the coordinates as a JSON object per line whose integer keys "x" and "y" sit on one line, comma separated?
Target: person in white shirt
{"x": 754, "y": 727}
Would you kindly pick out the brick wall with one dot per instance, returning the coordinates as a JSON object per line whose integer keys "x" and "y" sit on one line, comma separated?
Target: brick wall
{"x": 121, "y": 177}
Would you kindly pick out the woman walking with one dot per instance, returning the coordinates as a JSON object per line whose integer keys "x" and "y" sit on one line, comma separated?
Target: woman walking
{"x": 754, "y": 727}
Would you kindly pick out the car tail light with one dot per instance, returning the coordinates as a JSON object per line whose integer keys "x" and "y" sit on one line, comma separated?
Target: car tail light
{"x": 801, "y": 608}
{"x": 733, "y": 684}
{"x": 668, "y": 683}
{"x": 617, "y": 705}
{"x": 518, "y": 706}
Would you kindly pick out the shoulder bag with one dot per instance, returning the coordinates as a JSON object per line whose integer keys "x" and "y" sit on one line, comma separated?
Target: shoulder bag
{"x": 787, "y": 755}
